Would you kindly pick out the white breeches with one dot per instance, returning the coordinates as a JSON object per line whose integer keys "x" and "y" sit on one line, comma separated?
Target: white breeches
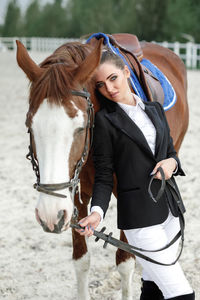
{"x": 170, "y": 279}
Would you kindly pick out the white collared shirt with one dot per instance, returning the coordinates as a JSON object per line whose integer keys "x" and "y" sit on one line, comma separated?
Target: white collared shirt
{"x": 141, "y": 119}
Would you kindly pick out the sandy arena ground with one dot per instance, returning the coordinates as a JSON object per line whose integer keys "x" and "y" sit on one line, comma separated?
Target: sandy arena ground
{"x": 35, "y": 265}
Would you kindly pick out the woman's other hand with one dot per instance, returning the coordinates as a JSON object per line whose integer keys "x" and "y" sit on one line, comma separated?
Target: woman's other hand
{"x": 168, "y": 165}
{"x": 89, "y": 224}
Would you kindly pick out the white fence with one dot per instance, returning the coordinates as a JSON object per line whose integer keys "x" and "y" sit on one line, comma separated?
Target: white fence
{"x": 188, "y": 52}
{"x": 35, "y": 44}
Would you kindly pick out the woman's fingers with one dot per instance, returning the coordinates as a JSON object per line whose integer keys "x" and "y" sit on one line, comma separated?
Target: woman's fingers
{"x": 87, "y": 230}
{"x": 168, "y": 166}
{"x": 89, "y": 224}
{"x": 158, "y": 174}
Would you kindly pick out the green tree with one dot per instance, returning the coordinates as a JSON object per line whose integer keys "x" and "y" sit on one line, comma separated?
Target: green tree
{"x": 180, "y": 20}
{"x": 157, "y": 20}
{"x": 100, "y": 16}
{"x": 13, "y": 24}
{"x": 1, "y": 29}
{"x": 150, "y": 19}
{"x": 53, "y": 20}
{"x": 32, "y": 19}
{"x": 193, "y": 27}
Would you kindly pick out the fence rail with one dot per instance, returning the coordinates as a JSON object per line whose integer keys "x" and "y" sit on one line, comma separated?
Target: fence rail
{"x": 35, "y": 44}
{"x": 188, "y": 52}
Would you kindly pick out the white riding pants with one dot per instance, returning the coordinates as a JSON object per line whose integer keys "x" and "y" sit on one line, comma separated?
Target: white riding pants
{"x": 170, "y": 279}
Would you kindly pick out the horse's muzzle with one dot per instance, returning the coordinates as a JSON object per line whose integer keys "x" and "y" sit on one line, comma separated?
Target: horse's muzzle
{"x": 59, "y": 227}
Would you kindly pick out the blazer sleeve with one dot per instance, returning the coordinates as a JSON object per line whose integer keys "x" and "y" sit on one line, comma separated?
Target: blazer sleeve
{"x": 171, "y": 152}
{"x": 103, "y": 163}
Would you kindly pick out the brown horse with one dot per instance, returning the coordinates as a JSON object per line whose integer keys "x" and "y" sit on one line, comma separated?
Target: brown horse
{"x": 58, "y": 121}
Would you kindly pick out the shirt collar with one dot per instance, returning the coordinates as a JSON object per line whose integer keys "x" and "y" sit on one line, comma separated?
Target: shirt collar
{"x": 139, "y": 102}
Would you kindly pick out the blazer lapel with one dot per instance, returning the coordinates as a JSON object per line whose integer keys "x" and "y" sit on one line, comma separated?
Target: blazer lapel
{"x": 152, "y": 113}
{"x": 124, "y": 123}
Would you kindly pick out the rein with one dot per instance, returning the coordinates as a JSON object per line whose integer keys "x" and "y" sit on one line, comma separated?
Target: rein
{"x": 134, "y": 250}
{"x": 74, "y": 183}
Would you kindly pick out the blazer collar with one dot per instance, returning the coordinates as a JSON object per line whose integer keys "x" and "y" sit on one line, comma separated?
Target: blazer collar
{"x": 123, "y": 122}
{"x": 152, "y": 113}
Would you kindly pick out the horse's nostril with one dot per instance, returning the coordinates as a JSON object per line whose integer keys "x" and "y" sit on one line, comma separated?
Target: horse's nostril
{"x": 60, "y": 214}
{"x": 61, "y": 217}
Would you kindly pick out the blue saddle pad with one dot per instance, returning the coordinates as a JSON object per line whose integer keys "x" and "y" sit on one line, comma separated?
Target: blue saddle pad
{"x": 169, "y": 93}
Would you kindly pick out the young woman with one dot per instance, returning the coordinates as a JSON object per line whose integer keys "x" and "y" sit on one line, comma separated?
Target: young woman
{"x": 132, "y": 139}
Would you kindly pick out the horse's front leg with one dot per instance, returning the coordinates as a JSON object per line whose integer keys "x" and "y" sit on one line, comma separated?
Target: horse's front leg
{"x": 125, "y": 265}
{"x": 81, "y": 258}
{"x": 82, "y": 265}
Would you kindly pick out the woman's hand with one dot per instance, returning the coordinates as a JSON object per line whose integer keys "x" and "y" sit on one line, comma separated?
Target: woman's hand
{"x": 90, "y": 223}
{"x": 168, "y": 165}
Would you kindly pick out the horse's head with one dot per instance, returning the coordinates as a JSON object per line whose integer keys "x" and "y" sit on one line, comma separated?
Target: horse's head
{"x": 58, "y": 120}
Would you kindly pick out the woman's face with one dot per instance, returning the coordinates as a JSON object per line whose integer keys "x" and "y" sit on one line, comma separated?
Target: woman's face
{"x": 112, "y": 82}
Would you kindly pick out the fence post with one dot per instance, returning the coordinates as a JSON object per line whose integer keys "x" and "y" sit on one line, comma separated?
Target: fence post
{"x": 33, "y": 44}
{"x": 189, "y": 55}
{"x": 194, "y": 56}
{"x": 165, "y": 44}
{"x": 14, "y": 43}
{"x": 177, "y": 48}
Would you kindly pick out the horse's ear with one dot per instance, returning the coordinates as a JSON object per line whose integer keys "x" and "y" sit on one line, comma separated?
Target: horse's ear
{"x": 30, "y": 68}
{"x": 84, "y": 72}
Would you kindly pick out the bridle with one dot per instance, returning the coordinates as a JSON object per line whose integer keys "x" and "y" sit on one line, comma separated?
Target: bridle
{"x": 74, "y": 183}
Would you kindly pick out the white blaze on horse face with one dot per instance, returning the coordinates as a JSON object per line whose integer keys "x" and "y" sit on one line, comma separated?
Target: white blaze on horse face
{"x": 53, "y": 132}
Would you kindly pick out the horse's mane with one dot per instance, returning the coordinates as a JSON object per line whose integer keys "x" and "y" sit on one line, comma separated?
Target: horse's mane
{"x": 57, "y": 80}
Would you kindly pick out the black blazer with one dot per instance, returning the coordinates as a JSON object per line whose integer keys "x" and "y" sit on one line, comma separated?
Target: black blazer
{"x": 120, "y": 147}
